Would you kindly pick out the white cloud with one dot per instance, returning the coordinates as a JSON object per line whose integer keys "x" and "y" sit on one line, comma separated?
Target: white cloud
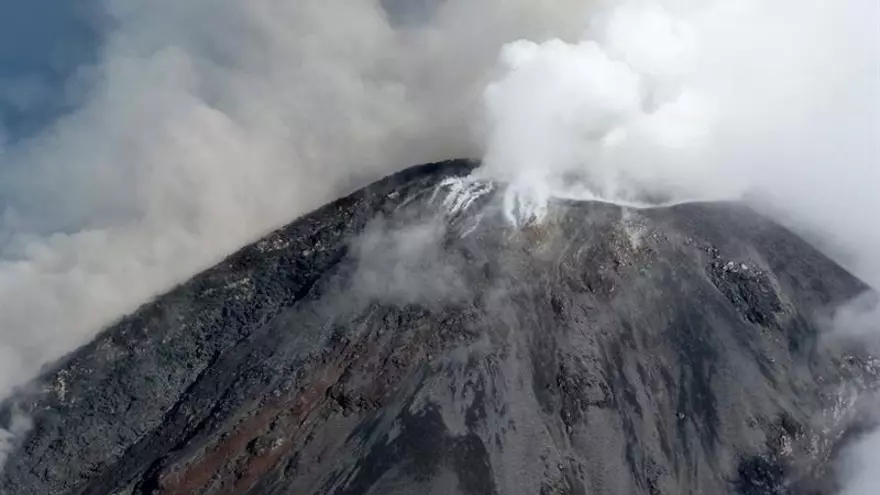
{"x": 211, "y": 122}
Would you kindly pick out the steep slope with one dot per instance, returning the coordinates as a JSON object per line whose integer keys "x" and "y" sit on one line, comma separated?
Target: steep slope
{"x": 408, "y": 339}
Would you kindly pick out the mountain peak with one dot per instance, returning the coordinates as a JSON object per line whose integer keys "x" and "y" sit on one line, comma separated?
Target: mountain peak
{"x": 411, "y": 337}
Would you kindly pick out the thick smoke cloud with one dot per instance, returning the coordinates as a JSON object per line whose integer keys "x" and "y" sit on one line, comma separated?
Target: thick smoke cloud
{"x": 713, "y": 100}
{"x": 206, "y": 123}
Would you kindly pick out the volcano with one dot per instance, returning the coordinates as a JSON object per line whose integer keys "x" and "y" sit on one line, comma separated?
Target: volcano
{"x": 409, "y": 339}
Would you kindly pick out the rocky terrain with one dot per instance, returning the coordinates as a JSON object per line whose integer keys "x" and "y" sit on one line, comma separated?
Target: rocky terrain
{"x": 409, "y": 339}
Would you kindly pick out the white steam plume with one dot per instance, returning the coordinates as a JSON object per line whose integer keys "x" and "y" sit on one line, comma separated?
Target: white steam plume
{"x": 687, "y": 100}
{"x": 775, "y": 101}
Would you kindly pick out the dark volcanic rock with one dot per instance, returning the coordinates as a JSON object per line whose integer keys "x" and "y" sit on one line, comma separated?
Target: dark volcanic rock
{"x": 392, "y": 343}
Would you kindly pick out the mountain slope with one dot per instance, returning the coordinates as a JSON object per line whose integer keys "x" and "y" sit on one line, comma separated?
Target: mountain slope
{"x": 408, "y": 339}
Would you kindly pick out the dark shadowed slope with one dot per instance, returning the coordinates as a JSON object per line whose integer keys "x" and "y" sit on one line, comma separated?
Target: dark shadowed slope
{"x": 394, "y": 343}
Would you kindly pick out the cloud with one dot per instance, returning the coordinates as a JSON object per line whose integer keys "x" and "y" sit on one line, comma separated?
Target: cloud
{"x": 18, "y": 425}
{"x": 712, "y": 100}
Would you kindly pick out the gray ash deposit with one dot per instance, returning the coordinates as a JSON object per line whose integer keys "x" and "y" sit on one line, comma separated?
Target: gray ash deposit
{"x": 402, "y": 340}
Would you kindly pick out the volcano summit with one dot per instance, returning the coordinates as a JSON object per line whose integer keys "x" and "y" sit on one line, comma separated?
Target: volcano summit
{"x": 408, "y": 338}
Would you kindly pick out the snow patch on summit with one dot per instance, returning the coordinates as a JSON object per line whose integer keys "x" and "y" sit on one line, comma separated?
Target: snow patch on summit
{"x": 521, "y": 205}
{"x": 460, "y": 193}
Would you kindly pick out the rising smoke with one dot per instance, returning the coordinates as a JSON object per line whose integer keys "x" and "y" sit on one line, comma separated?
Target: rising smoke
{"x": 712, "y": 100}
{"x": 208, "y": 123}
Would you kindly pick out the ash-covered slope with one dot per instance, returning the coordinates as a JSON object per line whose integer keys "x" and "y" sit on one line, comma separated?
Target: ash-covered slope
{"x": 409, "y": 340}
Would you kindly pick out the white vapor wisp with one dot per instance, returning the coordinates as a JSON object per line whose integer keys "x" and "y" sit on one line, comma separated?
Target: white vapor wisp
{"x": 776, "y": 102}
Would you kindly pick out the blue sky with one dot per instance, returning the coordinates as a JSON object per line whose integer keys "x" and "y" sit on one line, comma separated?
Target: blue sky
{"x": 42, "y": 43}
